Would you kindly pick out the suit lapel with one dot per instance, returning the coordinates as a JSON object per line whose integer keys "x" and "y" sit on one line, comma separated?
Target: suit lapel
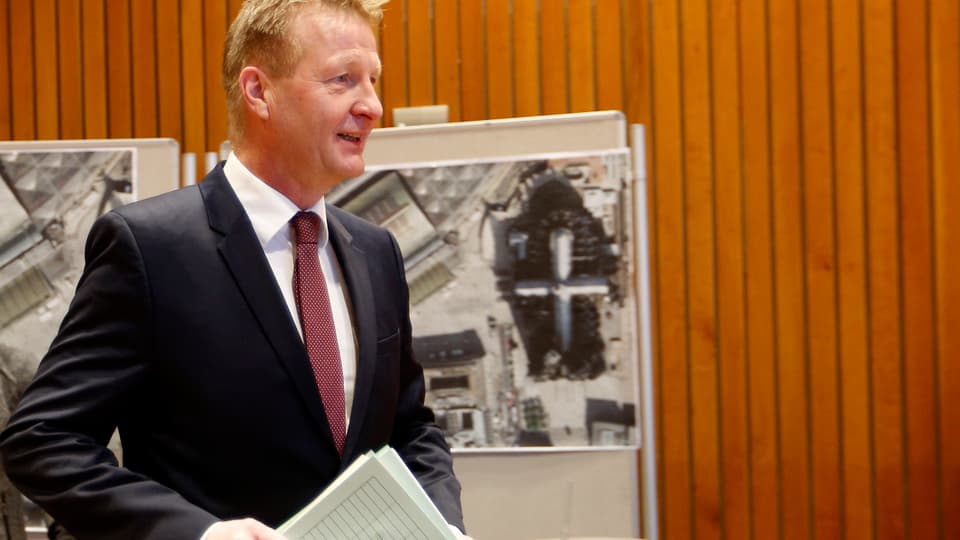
{"x": 353, "y": 265}
{"x": 244, "y": 257}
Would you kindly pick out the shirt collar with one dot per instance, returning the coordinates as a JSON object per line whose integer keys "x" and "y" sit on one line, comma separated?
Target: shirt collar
{"x": 268, "y": 209}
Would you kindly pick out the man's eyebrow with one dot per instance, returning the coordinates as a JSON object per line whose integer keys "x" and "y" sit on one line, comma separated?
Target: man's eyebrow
{"x": 353, "y": 60}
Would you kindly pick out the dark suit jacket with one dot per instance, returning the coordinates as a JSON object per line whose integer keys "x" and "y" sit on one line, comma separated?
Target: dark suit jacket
{"x": 178, "y": 335}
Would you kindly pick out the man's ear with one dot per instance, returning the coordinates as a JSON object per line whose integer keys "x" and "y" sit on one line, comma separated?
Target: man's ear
{"x": 253, "y": 84}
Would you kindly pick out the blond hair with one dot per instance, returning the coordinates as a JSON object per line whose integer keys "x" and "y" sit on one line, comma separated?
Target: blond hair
{"x": 259, "y": 35}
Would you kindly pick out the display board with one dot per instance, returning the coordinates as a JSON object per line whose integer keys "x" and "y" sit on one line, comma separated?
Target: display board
{"x": 156, "y": 161}
{"x": 50, "y": 194}
{"x": 520, "y": 483}
{"x": 522, "y": 300}
{"x": 579, "y": 132}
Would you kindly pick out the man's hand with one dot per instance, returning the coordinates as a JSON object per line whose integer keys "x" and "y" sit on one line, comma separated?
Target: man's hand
{"x": 241, "y": 529}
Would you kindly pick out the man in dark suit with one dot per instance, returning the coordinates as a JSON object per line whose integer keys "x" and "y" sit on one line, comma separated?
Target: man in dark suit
{"x": 189, "y": 324}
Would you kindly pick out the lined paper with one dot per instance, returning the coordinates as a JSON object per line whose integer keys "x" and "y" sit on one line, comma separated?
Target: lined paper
{"x": 375, "y": 498}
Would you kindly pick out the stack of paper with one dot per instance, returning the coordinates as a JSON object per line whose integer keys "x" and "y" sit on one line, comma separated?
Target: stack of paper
{"x": 376, "y": 497}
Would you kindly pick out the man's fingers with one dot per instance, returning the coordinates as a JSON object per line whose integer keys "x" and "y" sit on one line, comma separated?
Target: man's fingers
{"x": 242, "y": 529}
{"x": 265, "y": 533}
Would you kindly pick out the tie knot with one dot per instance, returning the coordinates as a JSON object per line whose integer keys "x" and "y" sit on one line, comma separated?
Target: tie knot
{"x": 307, "y": 227}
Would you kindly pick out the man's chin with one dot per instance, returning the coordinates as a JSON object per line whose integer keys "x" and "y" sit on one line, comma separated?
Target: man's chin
{"x": 352, "y": 169}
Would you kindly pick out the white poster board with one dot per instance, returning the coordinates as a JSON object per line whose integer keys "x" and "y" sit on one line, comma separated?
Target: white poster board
{"x": 157, "y": 162}
{"x": 532, "y": 493}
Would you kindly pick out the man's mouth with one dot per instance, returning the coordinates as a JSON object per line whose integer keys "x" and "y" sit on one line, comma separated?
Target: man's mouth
{"x": 348, "y": 137}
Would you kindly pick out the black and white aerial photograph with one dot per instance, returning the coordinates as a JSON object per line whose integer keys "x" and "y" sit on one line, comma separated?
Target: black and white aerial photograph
{"x": 522, "y": 300}
{"x": 48, "y": 202}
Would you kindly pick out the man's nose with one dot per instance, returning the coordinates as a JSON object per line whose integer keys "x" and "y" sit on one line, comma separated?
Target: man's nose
{"x": 369, "y": 103}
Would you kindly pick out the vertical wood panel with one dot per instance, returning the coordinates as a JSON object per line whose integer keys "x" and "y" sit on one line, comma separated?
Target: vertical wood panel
{"x": 119, "y": 69}
{"x": 144, "y": 39}
{"x": 700, "y": 265}
{"x": 194, "y": 87}
{"x": 169, "y": 95}
{"x": 637, "y": 85}
{"x": 917, "y": 278}
{"x": 789, "y": 293}
{"x": 671, "y": 295}
{"x": 857, "y": 477}
{"x": 553, "y": 58}
{"x": 765, "y": 499}
{"x": 731, "y": 308}
{"x": 94, "y": 69}
{"x": 526, "y": 74}
{"x": 884, "y": 273}
{"x": 638, "y": 109}
{"x": 609, "y": 55}
{"x": 70, "y": 65}
{"x": 473, "y": 72}
{"x": 420, "y": 78}
{"x": 582, "y": 84}
{"x": 22, "y": 87}
{"x": 945, "y": 104}
{"x": 820, "y": 267}
{"x": 215, "y": 106}
{"x": 378, "y": 85}
{"x": 499, "y": 59}
{"x": 447, "y": 57}
{"x": 233, "y": 8}
{"x": 45, "y": 65}
{"x": 5, "y": 102}
{"x": 394, "y": 58}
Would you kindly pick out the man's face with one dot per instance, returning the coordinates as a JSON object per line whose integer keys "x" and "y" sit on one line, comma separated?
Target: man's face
{"x": 323, "y": 112}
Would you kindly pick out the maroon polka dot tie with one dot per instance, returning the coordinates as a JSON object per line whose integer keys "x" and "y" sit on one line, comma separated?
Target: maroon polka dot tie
{"x": 316, "y": 319}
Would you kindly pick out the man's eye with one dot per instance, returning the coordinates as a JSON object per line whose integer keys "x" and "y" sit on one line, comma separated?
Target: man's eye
{"x": 342, "y": 78}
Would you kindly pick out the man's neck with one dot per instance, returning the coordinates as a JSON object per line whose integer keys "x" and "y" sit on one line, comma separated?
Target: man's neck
{"x": 302, "y": 193}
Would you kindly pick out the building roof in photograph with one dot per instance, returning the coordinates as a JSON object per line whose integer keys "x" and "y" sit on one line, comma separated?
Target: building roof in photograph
{"x": 443, "y": 350}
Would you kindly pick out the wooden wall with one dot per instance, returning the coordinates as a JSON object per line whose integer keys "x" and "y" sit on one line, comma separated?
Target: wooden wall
{"x": 74, "y": 69}
{"x": 805, "y": 159}
{"x": 147, "y": 68}
{"x": 804, "y": 164}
